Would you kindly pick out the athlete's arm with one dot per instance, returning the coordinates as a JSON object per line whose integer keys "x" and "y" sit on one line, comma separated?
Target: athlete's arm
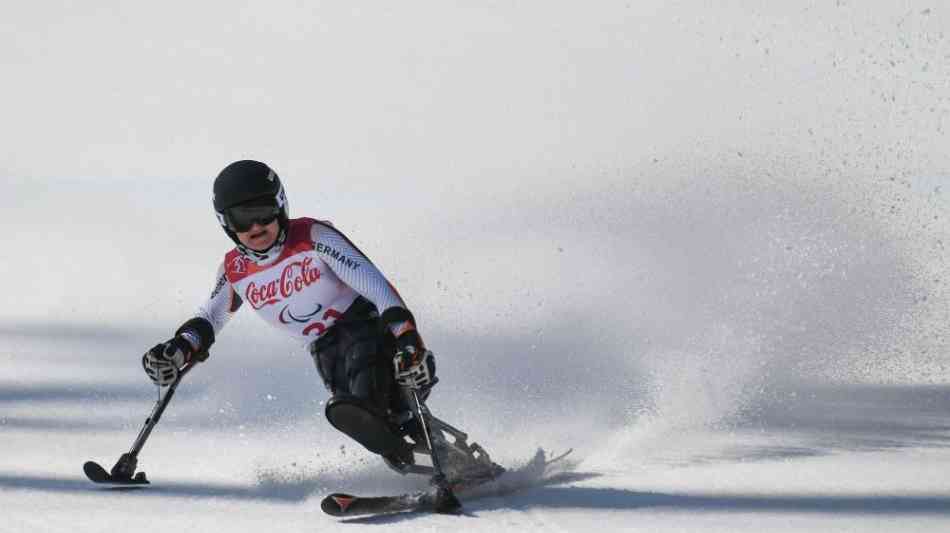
{"x": 213, "y": 315}
{"x": 357, "y": 271}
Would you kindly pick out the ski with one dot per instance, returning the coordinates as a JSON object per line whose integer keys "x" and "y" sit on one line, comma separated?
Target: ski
{"x": 97, "y": 474}
{"x": 348, "y": 505}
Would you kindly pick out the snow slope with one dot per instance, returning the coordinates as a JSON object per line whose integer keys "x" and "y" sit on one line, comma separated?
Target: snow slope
{"x": 704, "y": 247}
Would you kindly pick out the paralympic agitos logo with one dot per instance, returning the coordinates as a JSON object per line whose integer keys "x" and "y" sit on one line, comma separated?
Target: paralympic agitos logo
{"x": 294, "y": 278}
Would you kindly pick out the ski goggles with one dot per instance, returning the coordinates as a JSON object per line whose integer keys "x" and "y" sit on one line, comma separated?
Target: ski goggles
{"x": 241, "y": 218}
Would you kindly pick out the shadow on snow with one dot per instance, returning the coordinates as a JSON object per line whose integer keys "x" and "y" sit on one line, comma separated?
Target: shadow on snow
{"x": 545, "y": 496}
{"x": 165, "y": 489}
{"x": 609, "y": 499}
{"x": 618, "y": 499}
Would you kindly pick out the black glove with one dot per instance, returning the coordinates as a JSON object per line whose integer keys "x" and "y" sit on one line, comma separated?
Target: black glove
{"x": 163, "y": 362}
{"x": 414, "y": 364}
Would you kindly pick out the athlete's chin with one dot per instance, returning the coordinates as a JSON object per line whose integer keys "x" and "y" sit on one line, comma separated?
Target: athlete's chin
{"x": 260, "y": 244}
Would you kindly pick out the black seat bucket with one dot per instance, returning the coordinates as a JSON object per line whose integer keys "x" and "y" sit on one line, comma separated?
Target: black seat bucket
{"x": 349, "y": 415}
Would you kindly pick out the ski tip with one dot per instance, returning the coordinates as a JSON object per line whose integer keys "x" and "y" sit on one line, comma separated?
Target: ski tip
{"x": 336, "y": 504}
{"x": 95, "y": 472}
{"x": 559, "y": 457}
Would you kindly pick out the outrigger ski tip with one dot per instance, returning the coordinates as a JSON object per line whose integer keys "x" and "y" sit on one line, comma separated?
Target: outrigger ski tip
{"x": 97, "y": 474}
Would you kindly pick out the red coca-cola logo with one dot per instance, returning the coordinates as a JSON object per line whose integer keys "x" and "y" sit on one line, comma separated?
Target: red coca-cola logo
{"x": 294, "y": 278}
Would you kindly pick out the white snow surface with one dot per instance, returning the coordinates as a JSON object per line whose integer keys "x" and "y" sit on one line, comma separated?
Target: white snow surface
{"x": 702, "y": 245}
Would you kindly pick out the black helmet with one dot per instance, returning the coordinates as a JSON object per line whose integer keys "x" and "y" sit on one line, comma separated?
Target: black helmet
{"x": 250, "y": 182}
